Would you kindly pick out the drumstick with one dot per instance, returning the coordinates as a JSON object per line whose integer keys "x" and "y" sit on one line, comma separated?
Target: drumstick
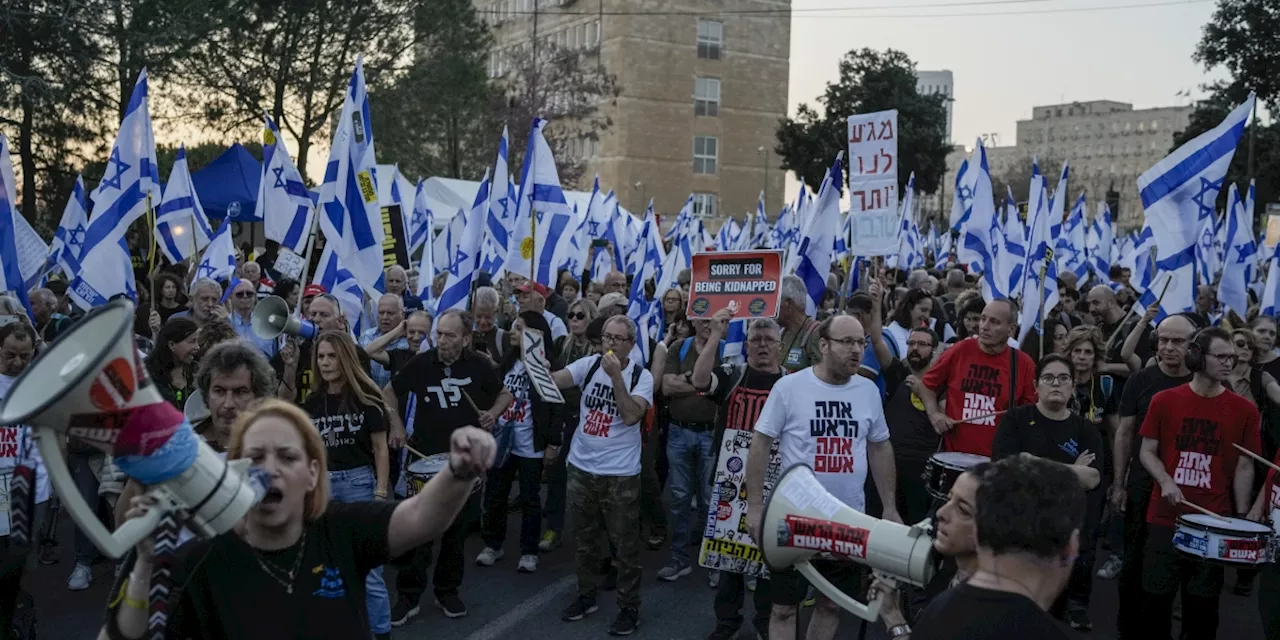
{"x": 1256, "y": 456}
{"x": 415, "y": 452}
{"x": 981, "y": 417}
{"x": 471, "y": 402}
{"x": 1204, "y": 510}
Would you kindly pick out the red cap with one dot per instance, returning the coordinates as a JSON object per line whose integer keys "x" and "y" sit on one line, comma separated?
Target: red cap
{"x": 313, "y": 290}
{"x": 536, "y": 287}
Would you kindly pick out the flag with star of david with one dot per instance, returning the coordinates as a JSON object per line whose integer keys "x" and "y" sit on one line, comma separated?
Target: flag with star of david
{"x": 284, "y": 203}
{"x": 1178, "y": 193}
{"x": 465, "y": 262}
{"x": 544, "y": 222}
{"x": 420, "y": 222}
{"x": 219, "y": 259}
{"x": 1240, "y": 260}
{"x": 181, "y": 226}
{"x": 498, "y": 216}
{"x": 68, "y": 239}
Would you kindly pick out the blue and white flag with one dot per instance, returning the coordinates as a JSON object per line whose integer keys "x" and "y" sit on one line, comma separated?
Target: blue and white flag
{"x": 219, "y": 259}
{"x": 498, "y": 219}
{"x": 683, "y": 219}
{"x": 1077, "y": 259}
{"x": 582, "y": 237}
{"x": 68, "y": 240}
{"x": 812, "y": 260}
{"x": 351, "y": 216}
{"x": 427, "y": 263}
{"x": 1013, "y": 260}
{"x": 1207, "y": 262}
{"x": 910, "y": 254}
{"x": 446, "y": 242}
{"x": 1271, "y": 292}
{"x": 538, "y": 249}
{"x": 284, "y": 203}
{"x": 1058, "y": 211}
{"x": 1241, "y": 258}
{"x": 181, "y": 226}
{"x": 1138, "y": 260}
{"x": 464, "y": 264}
{"x": 977, "y": 245}
{"x": 639, "y": 308}
{"x": 1179, "y": 192}
{"x": 120, "y": 199}
{"x": 728, "y": 236}
{"x": 10, "y": 262}
{"x": 1040, "y": 276}
{"x": 1101, "y": 243}
{"x": 962, "y": 197}
{"x": 420, "y": 221}
{"x": 333, "y": 275}
{"x": 760, "y": 227}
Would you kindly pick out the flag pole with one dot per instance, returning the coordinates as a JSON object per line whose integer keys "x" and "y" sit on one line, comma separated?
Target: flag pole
{"x": 151, "y": 219}
{"x": 1044, "y": 270}
{"x": 306, "y": 259}
{"x": 533, "y": 243}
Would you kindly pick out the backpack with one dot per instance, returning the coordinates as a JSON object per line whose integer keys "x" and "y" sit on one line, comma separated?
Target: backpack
{"x": 635, "y": 374}
{"x": 688, "y": 342}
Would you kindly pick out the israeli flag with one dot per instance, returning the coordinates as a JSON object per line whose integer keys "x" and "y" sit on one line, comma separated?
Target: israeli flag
{"x": 908, "y": 235}
{"x": 727, "y": 237}
{"x": 332, "y": 274}
{"x": 812, "y": 261}
{"x": 466, "y": 261}
{"x": 120, "y": 199}
{"x": 284, "y": 204}
{"x": 540, "y": 201}
{"x": 1040, "y": 276}
{"x": 759, "y": 229}
{"x": 1077, "y": 260}
{"x": 446, "y": 242}
{"x": 420, "y": 221}
{"x": 588, "y": 222}
{"x": 10, "y": 259}
{"x": 1239, "y": 266}
{"x": 619, "y": 234}
{"x": 962, "y": 197}
{"x": 639, "y": 308}
{"x": 219, "y": 259}
{"x": 181, "y": 226}
{"x": 426, "y": 264}
{"x": 1271, "y": 291}
{"x": 1057, "y": 212}
{"x": 68, "y": 240}
{"x": 1013, "y": 260}
{"x": 351, "y": 217}
{"x": 1207, "y": 263}
{"x": 782, "y": 235}
{"x": 1179, "y": 192}
{"x": 976, "y": 244}
{"x": 1101, "y": 240}
{"x": 683, "y": 219}
{"x": 1138, "y": 260}
{"x": 498, "y": 218}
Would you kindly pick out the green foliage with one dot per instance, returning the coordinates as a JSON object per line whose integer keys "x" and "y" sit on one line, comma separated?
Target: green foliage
{"x": 869, "y": 81}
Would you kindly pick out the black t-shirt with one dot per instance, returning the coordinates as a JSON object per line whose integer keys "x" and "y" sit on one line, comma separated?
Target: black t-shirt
{"x": 965, "y": 612}
{"x": 1026, "y": 430}
{"x": 738, "y": 403}
{"x": 910, "y": 431}
{"x": 229, "y": 595}
{"x": 1096, "y": 399}
{"x": 305, "y": 378}
{"x": 397, "y": 358}
{"x": 436, "y": 406}
{"x": 1136, "y": 399}
{"x": 347, "y": 429}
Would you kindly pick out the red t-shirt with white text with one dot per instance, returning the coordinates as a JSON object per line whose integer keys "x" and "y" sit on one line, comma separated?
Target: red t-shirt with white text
{"x": 1196, "y": 434}
{"x": 976, "y": 383}
{"x": 1271, "y": 507}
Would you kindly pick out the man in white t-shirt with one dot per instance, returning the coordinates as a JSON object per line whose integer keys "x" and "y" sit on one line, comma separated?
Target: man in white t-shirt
{"x": 831, "y": 419}
{"x": 604, "y": 471}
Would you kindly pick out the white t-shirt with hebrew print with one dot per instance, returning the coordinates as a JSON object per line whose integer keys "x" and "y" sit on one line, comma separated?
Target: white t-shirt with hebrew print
{"x": 827, "y": 427}
{"x": 603, "y": 445}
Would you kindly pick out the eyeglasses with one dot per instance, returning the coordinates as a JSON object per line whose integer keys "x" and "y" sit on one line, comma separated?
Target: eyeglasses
{"x": 919, "y": 343}
{"x": 850, "y": 342}
{"x": 609, "y": 337}
{"x": 576, "y": 316}
{"x": 1225, "y": 359}
{"x": 244, "y": 294}
{"x": 1056, "y": 381}
{"x": 760, "y": 340}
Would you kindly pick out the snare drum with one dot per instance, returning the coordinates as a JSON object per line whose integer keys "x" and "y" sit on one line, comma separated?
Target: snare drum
{"x": 942, "y": 469}
{"x": 422, "y": 470}
{"x": 1225, "y": 541}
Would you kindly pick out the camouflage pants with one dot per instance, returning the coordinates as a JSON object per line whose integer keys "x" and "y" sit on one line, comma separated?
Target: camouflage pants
{"x": 603, "y": 510}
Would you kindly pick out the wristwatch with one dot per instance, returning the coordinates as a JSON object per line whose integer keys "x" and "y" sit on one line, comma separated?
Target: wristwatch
{"x": 899, "y": 631}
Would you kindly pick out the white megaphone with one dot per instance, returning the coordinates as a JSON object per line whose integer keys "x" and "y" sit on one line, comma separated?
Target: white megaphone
{"x": 272, "y": 317}
{"x": 195, "y": 408}
{"x": 803, "y": 520}
{"x": 88, "y": 385}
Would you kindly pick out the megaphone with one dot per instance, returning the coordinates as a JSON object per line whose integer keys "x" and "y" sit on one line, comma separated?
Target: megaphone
{"x": 97, "y": 390}
{"x": 272, "y": 317}
{"x": 803, "y": 520}
{"x": 195, "y": 408}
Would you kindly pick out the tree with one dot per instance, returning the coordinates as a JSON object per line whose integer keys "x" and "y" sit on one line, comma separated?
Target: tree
{"x": 440, "y": 108}
{"x": 1244, "y": 37}
{"x": 1018, "y": 177}
{"x": 567, "y": 87}
{"x": 869, "y": 81}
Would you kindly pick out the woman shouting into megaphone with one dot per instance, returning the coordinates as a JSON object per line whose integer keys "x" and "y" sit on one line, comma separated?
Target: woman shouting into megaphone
{"x": 295, "y": 566}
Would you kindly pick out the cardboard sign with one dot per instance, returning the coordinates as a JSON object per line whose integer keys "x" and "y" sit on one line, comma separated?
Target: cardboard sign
{"x": 395, "y": 248}
{"x": 873, "y": 183}
{"x": 539, "y": 368}
{"x": 726, "y": 542}
{"x": 752, "y": 279}
{"x": 289, "y": 263}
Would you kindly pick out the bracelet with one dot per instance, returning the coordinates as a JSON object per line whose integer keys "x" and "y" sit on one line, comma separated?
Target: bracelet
{"x": 123, "y": 597}
{"x": 453, "y": 470}
{"x": 899, "y": 630}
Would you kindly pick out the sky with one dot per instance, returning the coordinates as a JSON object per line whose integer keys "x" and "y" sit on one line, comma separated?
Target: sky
{"x": 1004, "y": 65}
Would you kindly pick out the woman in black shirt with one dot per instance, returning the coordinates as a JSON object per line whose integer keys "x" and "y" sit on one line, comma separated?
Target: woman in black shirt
{"x": 169, "y": 290}
{"x": 295, "y": 567}
{"x": 171, "y": 364}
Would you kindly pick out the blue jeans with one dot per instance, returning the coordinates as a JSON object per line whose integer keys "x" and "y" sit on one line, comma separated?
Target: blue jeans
{"x": 690, "y": 455}
{"x": 357, "y": 485}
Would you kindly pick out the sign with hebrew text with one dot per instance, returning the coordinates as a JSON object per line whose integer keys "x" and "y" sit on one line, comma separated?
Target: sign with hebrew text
{"x": 873, "y": 183}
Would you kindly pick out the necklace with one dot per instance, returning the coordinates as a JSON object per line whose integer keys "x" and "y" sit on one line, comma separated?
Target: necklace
{"x": 277, "y": 573}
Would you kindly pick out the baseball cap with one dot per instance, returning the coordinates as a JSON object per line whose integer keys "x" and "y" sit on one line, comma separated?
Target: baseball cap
{"x": 612, "y": 299}
{"x": 536, "y": 287}
{"x": 313, "y": 290}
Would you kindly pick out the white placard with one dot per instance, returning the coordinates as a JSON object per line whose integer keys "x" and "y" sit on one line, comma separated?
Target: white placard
{"x": 873, "y": 182}
{"x": 726, "y": 543}
{"x": 289, "y": 263}
{"x": 535, "y": 362}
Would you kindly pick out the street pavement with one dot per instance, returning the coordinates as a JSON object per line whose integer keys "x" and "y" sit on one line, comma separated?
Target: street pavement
{"x": 503, "y": 604}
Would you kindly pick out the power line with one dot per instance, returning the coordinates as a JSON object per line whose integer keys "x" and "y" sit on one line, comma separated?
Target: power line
{"x": 802, "y": 13}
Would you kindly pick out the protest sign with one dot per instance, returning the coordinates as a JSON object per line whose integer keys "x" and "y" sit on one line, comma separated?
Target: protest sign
{"x": 535, "y": 362}
{"x": 395, "y": 248}
{"x": 873, "y": 183}
{"x": 726, "y": 542}
{"x": 752, "y": 279}
{"x": 289, "y": 263}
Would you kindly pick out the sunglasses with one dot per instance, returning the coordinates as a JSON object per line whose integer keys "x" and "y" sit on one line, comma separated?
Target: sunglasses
{"x": 244, "y": 294}
{"x": 576, "y": 316}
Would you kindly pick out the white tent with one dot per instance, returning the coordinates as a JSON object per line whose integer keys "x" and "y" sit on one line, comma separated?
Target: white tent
{"x": 455, "y": 194}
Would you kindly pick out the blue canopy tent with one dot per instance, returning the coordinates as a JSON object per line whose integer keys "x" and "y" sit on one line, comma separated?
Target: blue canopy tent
{"x": 229, "y": 185}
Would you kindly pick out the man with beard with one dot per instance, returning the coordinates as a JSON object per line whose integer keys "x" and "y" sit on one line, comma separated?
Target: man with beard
{"x": 844, "y": 410}
{"x": 740, "y": 393}
{"x": 1109, "y": 317}
{"x": 1131, "y": 491}
{"x": 914, "y": 439}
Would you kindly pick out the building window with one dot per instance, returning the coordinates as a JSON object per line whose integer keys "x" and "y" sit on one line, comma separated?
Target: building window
{"x": 710, "y": 39}
{"x": 1155, "y": 124}
{"x": 706, "y": 97}
{"x": 705, "y": 151}
{"x": 704, "y": 205}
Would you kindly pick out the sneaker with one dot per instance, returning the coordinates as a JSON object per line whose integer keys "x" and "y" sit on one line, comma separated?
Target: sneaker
{"x": 724, "y": 631}
{"x": 80, "y": 578}
{"x": 403, "y": 610}
{"x": 581, "y": 607}
{"x": 451, "y": 605}
{"x": 550, "y": 540}
{"x": 48, "y": 554}
{"x": 488, "y": 557}
{"x": 713, "y": 579}
{"x": 1078, "y": 619}
{"x": 1111, "y": 568}
{"x": 528, "y": 563}
{"x": 656, "y": 540}
{"x": 626, "y": 622}
{"x": 674, "y": 571}
{"x": 610, "y": 581}
{"x": 751, "y": 585}
{"x": 809, "y": 599}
